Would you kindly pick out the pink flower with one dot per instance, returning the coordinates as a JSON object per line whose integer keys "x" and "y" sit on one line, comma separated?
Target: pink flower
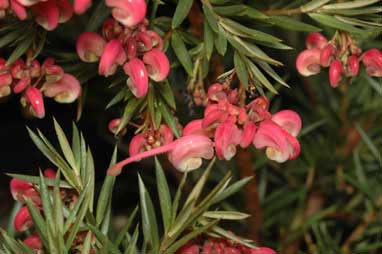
{"x": 66, "y": 90}
{"x": 33, "y": 242}
{"x": 23, "y": 220}
{"x": 262, "y": 250}
{"x": 216, "y": 93}
{"x": 144, "y": 40}
{"x": 21, "y": 190}
{"x": 34, "y": 98}
{"x": 157, "y": 64}
{"x": 195, "y": 127}
{"x": 21, "y": 85}
{"x": 157, "y": 41}
{"x": 19, "y": 10}
{"x": 113, "y": 126}
{"x": 308, "y": 62}
{"x": 335, "y": 72}
{"x": 227, "y": 137}
{"x": 189, "y": 249}
{"x": 280, "y": 145}
{"x": 50, "y": 173}
{"x": 288, "y": 120}
{"x": 80, "y": 6}
{"x": 327, "y": 55}
{"x": 352, "y": 66}
{"x": 5, "y": 81}
{"x": 248, "y": 134}
{"x": 315, "y": 40}
{"x": 65, "y": 9}
{"x": 47, "y": 14}
{"x": 212, "y": 118}
{"x": 90, "y": 46}
{"x": 52, "y": 72}
{"x": 128, "y": 12}
{"x": 372, "y": 59}
{"x": 112, "y": 56}
{"x": 137, "y": 144}
{"x": 138, "y": 80}
{"x": 166, "y": 134}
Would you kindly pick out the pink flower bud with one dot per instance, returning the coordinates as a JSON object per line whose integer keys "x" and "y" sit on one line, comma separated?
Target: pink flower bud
{"x": 66, "y": 90}
{"x": 189, "y": 150}
{"x": 248, "y": 134}
{"x": 65, "y": 9}
{"x": 352, "y": 66}
{"x": 35, "y": 69}
{"x": 33, "y": 242}
{"x": 113, "y": 126}
{"x": 23, "y": 220}
{"x": 189, "y": 249}
{"x": 21, "y": 85}
{"x": 5, "y": 82}
{"x": 262, "y": 250}
{"x": 327, "y": 55}
{"x": 34, "y": 98}
{"x": 144, "y": 40}
{"x": 335, "y": 72}
{"x": 131, "y": 46}
{"x": 4, "y": 4}
{"x": 308, "y": 62}
{"x": 372, "y": 59}
{"x": 90, "y": 46}
{"x": 112, "y": 56}
{"x": 53, "y": 73}
{"x": 138, "y": 80}
{"x": 288, "y": 120}
{"x": 213, "y": 118}
{"x": 157, "y": 64}
{"x": 21, "y": 190}
{"x": 227, "y": 137}
{"x": 157, "y": 41}
{"x": 215, "y": 92}
{"x": 280, "y": 145}
{"x": 80, "y": 6}
{"x": 50, "y": 173}
{"x": 19, "y": 10}
{"x": 315, "y": 40}
{"x": 137, "y": 144}
{"x": 195, "y": 127}
{"x": 47, "y": 14}
{"x": 130, "y": 12}
{"x": 166, "y": 134}
{"x": 19, "y": 69}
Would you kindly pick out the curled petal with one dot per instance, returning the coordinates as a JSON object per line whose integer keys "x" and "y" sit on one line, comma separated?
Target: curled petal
{"x": 335, "y": 72}
{"x": 113, "y": 126}
{"x": 157, "y": 63}
{"x": 327, "y": 55}
{"x": 47, "y": 14}
{"x": 315, "y": 40}
{"x": 137, "y": 144}
{"x": 112, "y": 56}
{"x": 65, "y": 10}
{"x": 144, "y": 40}
{"x": 23, "y": 220}
{"x": 128, "y": 12}
{"x": 19, "y": 10}
{"x": 53, "y": 73}
{"x": 111, "y": 29}
{"x": 189, "y": 249}
{"x": 189, "y": 150}
{"x": 214, "y": 117}
{"x": 138, "y": 81}
{"x": 280, "y": 145}
{"x": 227, "y": 137}
{"x": 33, "y": 242}
{"x": 166, "y": 134}
{"x": 215, "y": 92}
{"x": 372, "y": 59}
{"x": 35, "y": 69}
{"x": 157, "y": 41}
{"x": 21, "y": 190}
{"x": 80, "y": 6}
{"x": 19, "y": 69}
{"x": 352, "y": 66}
{"x": 34, "y": 98}
{"x": 195, "y": 127}
{"x": 288, "y": 120}
{"x": 90, "y": 46}
{"x": 262, "y": 250}
{"x": 131, "y": 45}
{"x": 248, "y": 134}
{"x": 308, "y": 62}
{"x": 5, "y": 79}
{"x": 66, "y": 90}
{"x": 21, "y": 85}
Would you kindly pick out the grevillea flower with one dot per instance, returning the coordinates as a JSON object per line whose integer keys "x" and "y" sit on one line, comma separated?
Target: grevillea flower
{"x": 80, "y": 6}
{"x": 138, "y": 80}
{"x": 33, "y": 242}
{"x": 262, "y": 250}
{"x": 157, "y": 41}
{"x": 189, "y": 249}
{"x": 185, "y": 153}
{"x": 288, "y": 120}
{"x": 5, "y": 82}
{"x": 372, "y": 59}
{"x": 227, "y": 137}
{"x": 195, "y": 127}
{"x": 128, "y": 12}
{"x": 216, "y": 93}
{"x": 65, "y": 9}
{"x": 19, "y": 10}
{"x": 308, "y": 62}
{"x": 21, "y": 190}
{"x": 212, "y": 118}
{"x": 21, "y": 85}
{"x": 137, "y": 144}
{"x": 90, "y": 46}
{"x": 66, "y": 90}
{"x": 166, "y": 134}
{"x": 47, "y": 14}
{"x": 327, "y": 55}
{"x": 335, "y": 72}
{"x": 280, "y": 145}
{"x": 113, "y": 126}
{"x": 144, "y": 40}
{"x": 248, "y": 134}
{"x": 112, "y": 56}
{"x": 352, "y": 66}
{"x": 315, "y": 40}
{"x": 34, "y": 98}
{"x": 53, "y": 72}
{"x": 157, "y": 64}
{"x": 23, "y": 220}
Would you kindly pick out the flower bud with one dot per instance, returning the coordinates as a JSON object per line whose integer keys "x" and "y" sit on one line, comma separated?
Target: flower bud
{"x": 248, "y": 134}
{"x": 112, "y": 56}
{"x": 33, "y": 242}
{"x": 315, "y": 40}
{"x": 137, "y": 144}
{"x": 157, "y": 64}
{"x": 47, "y": 14}
{"x": 90, "y": 46}
{"x": 129, "y": 13}
{"x": 23, "y": 220}
{"x": 327, "y": 55}
{"x": 34, "y": 99}
{"x": 372, "y": 59}
{"x": 19, "y": 10}
{"x": 308, "y": 62}
{"x": 80, "y": 6}
{"x": 352, "y": 66}
{"x": 138, "y": 81}
{"x": 21, "y": 85}
{"x": 227, "y": 137}
{"x": 65, "y": 10}
{"x": 113, "y": 126}
{"x": 21, "y": 190}
{"x": 335, "y": 73}
{"x": 66, "y": 90}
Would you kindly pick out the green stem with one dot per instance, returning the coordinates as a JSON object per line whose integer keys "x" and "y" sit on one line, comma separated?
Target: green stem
{"x": 154, "y": 9}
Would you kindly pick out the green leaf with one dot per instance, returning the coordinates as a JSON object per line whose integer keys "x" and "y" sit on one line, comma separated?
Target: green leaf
{"x": 334, "y": 23}
{"x": 164, "y": 195}
{"x": 293, "y": 24}
{"x": 226, "y": 215}
{"x": 149, "y": 222}
{"x": 36, "y": 180}
{"x": 268, "y": 69}
{"x": 241, "y": 69}
{"x": 312, "y": 5}
{"x": 167, "y": 94}
{"x": 208, "y": 40}
{"x": 221, "y": 42}
{"x": 239, "y": 10}
{"x": 234, "y": 188}
{"x": 211, "y": 18}
{"x": 38, "y": 221}
{"x": 98, "y": 16}
{"x": 120, "y": 96}
{"x": 182, "y": 9}
{"x": 132, "y": 245}
{"x": 260, "y": 77}
{"x": 178, "y": 195}
{"x": 125, "y": 229}
{"x": 46, "y": 203}
{"x": 87, "y": 243}
{"x": 181, "y": 52}
{"x": 128, "y": 113}
{"x": 370, "y": 144}
{"x": 349, "y": 5}
{"x": 168, "y": 117}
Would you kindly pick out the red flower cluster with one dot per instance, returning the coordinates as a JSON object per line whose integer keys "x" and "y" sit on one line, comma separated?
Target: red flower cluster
{"x": 34, "y": 80}
{"x": 47, "y": 13}
{"x": 126, "y": 41}
{"x": 340, "y": 54}
{"x": 230, "y": 125}
{"x": 221, "y": 246}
